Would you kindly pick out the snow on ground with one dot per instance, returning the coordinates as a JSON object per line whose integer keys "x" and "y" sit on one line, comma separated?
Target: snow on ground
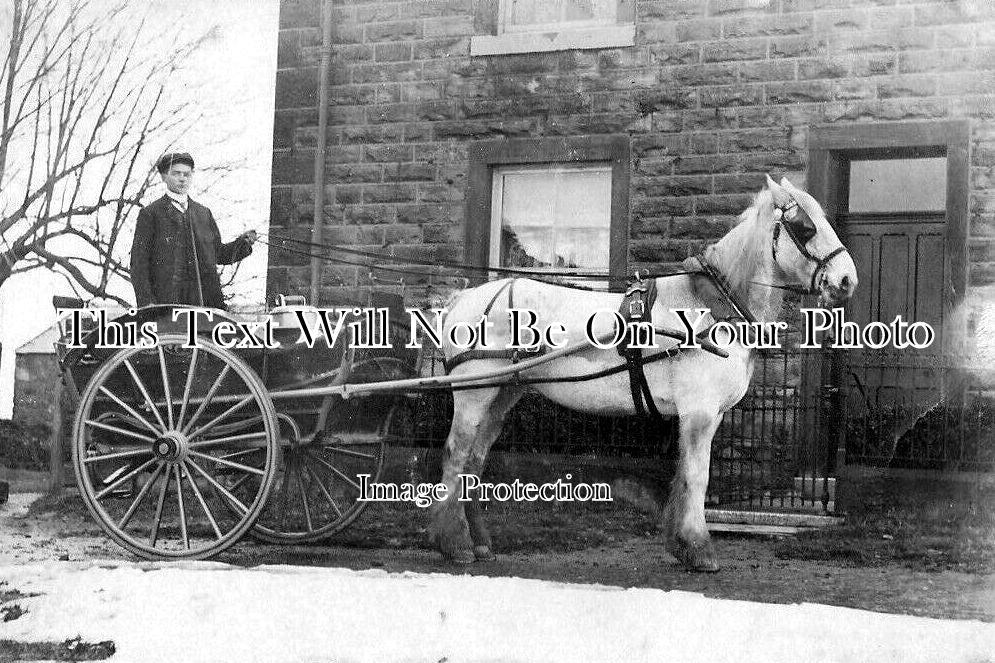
{"x": 213, "y": 612}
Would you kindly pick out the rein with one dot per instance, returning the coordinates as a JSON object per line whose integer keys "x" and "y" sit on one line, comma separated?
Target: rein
{"x": 718, "y": 278}
{"x": 448, "y": 264}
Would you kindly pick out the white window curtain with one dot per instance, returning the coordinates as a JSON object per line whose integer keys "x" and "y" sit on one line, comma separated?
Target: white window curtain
{"x": 548, "y": 15}
{"x": 551, "y": 217}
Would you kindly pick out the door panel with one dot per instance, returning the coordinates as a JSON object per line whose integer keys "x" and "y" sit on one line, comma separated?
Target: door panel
{"x": 901, "y": 268}
{"x": 893, "y": 276}
{"x": 861, "y": 247}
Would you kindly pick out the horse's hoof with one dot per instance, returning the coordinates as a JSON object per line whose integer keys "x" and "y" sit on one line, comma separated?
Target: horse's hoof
{"x": 453, "y": 541}
{"x": 460, "y": 557}
{"x": 696, "y": 556}
{"x": 483, "y": 554}
{"x": 705, "y": 566}
{"x": 455, "y": 554}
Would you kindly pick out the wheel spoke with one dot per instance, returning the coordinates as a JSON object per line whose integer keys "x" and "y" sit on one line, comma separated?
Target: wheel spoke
{"x": 203, "y": 503}
{"x": 165, "y": 386}
{"x": 119, "y": 431}
{"x": 228, "y": 440}
{"x": 179, "y": 501}
{"x": 241, "y": 424}
{"x": 154, "y": 534}
{"x": 238, "y": 454}
{"x": 207, "y": 398}
{"x": 307, "y": 509}
{"x": 349, "y": 452}
{"x": 131, "y": 411}
{"x": 118, "y": 454}
{"x": 354, "y": 439}
{"x": 234, "y": 408}
{"x": 337, "y": 472}
{"x": 221, "y": 489}
{"x": 145, "y": 393}
{"x": 122, "y": 479}
{"x": 228, "y": 463}
{"x": 238, "y": 484}
{"x": 285, "y": 493}
{"x": 141, "y": 496}
{"x": 188, "y": 387}
{"x": 328, "y": 496}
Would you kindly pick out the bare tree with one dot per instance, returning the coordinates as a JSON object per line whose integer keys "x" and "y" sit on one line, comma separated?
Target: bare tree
{"x": 83, "y": 113}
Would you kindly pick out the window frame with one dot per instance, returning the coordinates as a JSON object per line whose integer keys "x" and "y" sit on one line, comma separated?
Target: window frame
{"x": 486, "y": 156}
{"x": 491, "y": 38}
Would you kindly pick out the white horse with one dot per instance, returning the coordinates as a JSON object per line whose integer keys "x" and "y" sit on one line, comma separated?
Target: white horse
{"x": 783, "y": 238}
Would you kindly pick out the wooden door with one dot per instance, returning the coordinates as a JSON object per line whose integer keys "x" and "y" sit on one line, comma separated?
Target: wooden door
{"x": 901, "y": 266}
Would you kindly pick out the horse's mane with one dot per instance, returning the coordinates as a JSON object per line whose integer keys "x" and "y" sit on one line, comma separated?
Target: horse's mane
{"x": 747, "y": 245}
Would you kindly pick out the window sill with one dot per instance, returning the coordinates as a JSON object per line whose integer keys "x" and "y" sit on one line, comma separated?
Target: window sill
{"x": 613, "y": 36}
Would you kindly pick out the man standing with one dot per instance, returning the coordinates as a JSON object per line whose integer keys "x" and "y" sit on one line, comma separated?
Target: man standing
{"x": 177, "y": 245}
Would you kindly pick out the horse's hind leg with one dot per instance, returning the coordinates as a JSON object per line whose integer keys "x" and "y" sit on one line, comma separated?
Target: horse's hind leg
{"x": 684, "y": 515}
{"x": 474, "y": 428}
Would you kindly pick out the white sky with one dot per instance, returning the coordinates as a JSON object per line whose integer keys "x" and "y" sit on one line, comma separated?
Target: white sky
{"x": 232, "y": 79}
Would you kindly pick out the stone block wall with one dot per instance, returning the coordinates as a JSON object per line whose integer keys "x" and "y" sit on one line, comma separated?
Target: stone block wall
{"x": 713, "y": 95}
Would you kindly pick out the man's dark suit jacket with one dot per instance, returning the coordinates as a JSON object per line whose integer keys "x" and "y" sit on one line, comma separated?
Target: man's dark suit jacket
{"x": 162, "y": 262}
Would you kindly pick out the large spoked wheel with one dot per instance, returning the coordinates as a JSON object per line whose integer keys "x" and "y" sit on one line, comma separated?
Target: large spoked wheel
{"x": 317, "y": 490}
{"x": 175, "y": 449}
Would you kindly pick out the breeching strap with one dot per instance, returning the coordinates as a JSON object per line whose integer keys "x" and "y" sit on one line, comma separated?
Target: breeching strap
{"x": 494, "y": 353}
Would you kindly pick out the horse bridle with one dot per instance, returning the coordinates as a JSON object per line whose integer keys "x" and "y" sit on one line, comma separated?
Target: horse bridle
{"x": 801, "y": 235}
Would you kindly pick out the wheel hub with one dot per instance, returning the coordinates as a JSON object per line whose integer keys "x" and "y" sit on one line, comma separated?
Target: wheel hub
{"x": 171, "y": 447}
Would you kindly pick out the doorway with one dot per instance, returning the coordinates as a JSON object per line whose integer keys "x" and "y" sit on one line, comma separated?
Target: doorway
{"x": 897, "y": 195}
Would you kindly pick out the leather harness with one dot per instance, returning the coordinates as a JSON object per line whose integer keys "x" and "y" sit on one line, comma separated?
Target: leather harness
{"x": 637, "y": 305}
{"x": 800, "y": 235}
{"x": 514, "y": 354}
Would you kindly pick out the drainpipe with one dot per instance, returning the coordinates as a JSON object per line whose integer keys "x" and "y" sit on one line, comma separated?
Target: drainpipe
{"x": 319, "y": 154}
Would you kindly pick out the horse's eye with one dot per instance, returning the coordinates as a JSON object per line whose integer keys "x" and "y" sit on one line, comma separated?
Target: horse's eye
{"x": 803, "y": 232}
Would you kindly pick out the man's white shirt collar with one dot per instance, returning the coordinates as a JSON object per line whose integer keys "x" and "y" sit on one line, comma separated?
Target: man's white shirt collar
{"x": 179, "y": 200}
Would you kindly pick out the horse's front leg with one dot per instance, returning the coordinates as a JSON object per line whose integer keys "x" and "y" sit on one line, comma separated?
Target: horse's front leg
{"x": 475, "y": 426}
{"x": 684, "y": 515}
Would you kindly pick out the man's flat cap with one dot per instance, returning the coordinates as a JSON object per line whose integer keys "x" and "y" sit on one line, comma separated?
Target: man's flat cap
{"x": 167, "y": 160}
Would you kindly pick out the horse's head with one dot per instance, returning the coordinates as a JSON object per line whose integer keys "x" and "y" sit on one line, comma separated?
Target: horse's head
{"x": 806, "y": 249}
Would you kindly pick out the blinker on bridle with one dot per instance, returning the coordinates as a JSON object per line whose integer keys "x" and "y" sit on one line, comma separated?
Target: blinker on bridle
{"x": 800, "y": 234}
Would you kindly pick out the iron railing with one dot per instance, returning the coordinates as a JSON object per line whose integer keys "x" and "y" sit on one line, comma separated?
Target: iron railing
{"x": 807, "y": 414}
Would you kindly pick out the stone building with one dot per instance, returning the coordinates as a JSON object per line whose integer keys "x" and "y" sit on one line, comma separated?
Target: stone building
{"x": 619, "y": 134}
{"x": 35, "y": 374}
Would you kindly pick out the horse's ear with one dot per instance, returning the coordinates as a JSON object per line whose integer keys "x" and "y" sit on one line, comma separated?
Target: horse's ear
{"x": 787, "y": 184}
{"x": 781, "y": 197}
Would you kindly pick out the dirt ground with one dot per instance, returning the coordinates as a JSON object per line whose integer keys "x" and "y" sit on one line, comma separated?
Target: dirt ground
{"x": 614, "y": 547}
